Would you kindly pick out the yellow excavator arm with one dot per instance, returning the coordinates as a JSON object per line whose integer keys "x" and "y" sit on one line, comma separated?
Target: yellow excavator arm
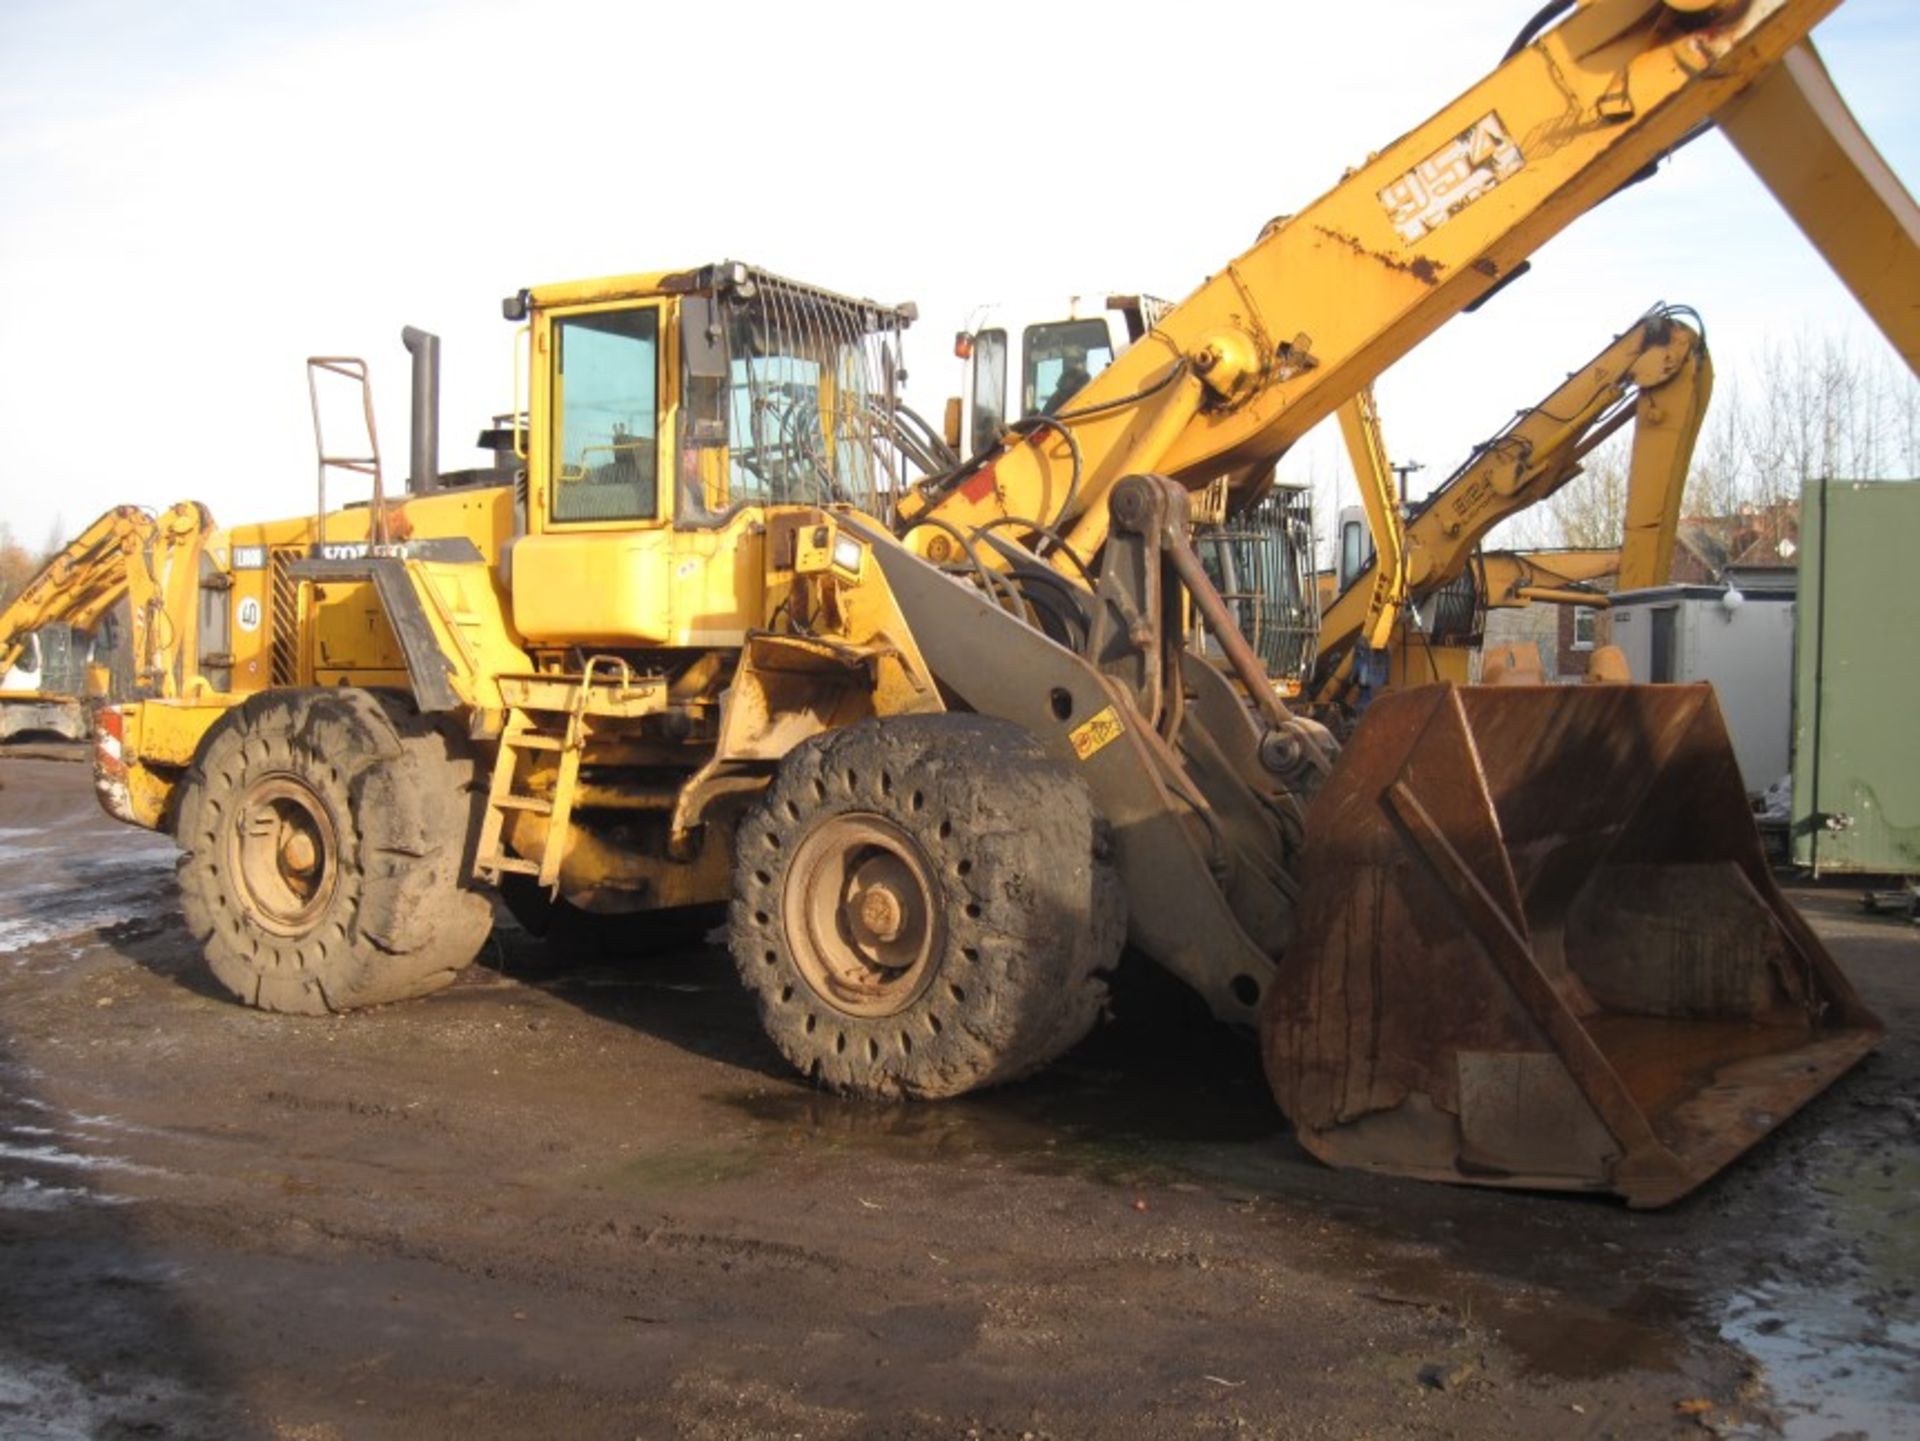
{"x": 78, "y": 585}
{"x": 126, "y": 553}
{"x": 1328, "y": 298}
{"x": 1656, "y": 375}
{"x": 1367, "y": 449}
{"x": 1510, "y": 579}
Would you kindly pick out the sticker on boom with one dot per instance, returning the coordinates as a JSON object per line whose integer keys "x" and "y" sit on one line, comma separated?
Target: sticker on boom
{"x": 1452, "y": 178}
{"x": 1093, "y": 735}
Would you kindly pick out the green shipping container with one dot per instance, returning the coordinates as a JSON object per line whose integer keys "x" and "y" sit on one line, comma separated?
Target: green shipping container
{"x": 1856, "y": 714}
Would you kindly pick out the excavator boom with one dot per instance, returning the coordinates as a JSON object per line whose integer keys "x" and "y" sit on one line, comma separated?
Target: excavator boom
{"x": 79, "y": 584}
{"x": 127, "y": 554}
{"x": 1655, "y": 376}
{"x": 1328, "y": 298}
{"x": 1795, "y": 131}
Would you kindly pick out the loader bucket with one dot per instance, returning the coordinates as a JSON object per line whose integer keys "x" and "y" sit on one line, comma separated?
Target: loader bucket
{"x": 1538, "y": 945}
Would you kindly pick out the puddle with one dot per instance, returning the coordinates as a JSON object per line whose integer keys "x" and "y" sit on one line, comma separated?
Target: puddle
{"x": 1843, "y": 1355}
{"x": 1161, "y": 1092}
{"x": 1071, "y": 1120}
{"x": 1525, "y": 1272}
{"x": 1563, "y": 1324}
{"x": 42, "y": 1402}
{"x": 678, "y": 1168}
{"x": 98, "y": 891}
{"x": 25, "y": 934}
{"x": 1833, "y": 1370}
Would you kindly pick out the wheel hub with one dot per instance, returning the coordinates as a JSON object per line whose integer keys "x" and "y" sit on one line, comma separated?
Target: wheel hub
{"x": 283, "y": 850}
{"x": 880, "y": 915}
{"x": 298, "y": 852}
{"x": 862, "y": 914}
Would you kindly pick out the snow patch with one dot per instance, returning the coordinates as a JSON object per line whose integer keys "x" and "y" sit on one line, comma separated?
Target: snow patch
{"x": 27, "y": 1194}
{"x": 55, "y": 1156}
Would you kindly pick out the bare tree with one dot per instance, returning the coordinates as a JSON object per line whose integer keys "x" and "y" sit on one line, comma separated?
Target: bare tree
{"x": 1717, "y": 479}
{"x": 1807, "y": 407}
{"x": 1826, "y": 411}
{"x": 1906, "y": 427}
{"x": 1591, "y": 509}
{"x": 18, "y": 565}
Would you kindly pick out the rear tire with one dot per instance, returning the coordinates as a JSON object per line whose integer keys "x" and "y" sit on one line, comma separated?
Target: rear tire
{"x": 324, "y": 835}
{"x": 923, "y": 906}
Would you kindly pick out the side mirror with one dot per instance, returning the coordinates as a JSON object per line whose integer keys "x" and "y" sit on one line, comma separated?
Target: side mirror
{"x": 703, "y": 338}
{"x": 705, "y": 366}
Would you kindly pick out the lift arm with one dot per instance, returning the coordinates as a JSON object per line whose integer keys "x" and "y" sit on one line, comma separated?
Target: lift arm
{"x": 1328, "y": 298}
{"x": 163, "y": 583}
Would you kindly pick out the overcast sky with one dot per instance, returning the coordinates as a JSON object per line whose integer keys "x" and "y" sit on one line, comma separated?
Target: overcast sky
{"x": 199, "y": 195}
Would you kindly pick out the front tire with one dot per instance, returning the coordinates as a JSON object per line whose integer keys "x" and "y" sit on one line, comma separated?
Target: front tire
{"x": 923, "y": 906}
{"x": 324, "y": 835}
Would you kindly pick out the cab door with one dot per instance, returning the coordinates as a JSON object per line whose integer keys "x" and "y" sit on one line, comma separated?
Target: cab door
{"x": 594, "y": 568}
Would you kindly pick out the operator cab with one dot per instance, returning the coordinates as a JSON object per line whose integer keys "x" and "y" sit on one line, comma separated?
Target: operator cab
{"x": 1024, "y": 361}
{"x": 25, "y": 674}
{"x": 668, "y": 412}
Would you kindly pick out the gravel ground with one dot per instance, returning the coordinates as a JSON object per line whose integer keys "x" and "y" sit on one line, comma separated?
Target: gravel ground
{"x": 576, "y": 1198}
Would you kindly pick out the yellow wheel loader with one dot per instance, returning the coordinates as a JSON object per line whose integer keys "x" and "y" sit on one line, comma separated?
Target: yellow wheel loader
{"x": 944, "y": 747}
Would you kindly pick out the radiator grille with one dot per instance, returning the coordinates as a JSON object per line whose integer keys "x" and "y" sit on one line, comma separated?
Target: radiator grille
{"x": 283, "y": 660}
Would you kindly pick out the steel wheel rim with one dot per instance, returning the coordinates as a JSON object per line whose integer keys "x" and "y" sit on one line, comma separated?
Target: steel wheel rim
{"x": 284, "y": 853}
{"x": 862, "y": 913}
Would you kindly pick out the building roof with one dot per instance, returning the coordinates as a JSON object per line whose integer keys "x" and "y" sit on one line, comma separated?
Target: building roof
{"x": 1766, "y": 538}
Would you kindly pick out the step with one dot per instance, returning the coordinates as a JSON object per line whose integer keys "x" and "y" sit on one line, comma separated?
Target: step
{"x": 539, "y": 805}
{"x": 510, "y": 865}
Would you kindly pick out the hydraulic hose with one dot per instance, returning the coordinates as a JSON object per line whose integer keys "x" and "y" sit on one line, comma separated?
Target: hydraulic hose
{"x": 1542, "y": 18}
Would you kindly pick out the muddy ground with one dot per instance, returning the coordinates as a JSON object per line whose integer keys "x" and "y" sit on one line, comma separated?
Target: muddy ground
{"x": 585, "y": 1200}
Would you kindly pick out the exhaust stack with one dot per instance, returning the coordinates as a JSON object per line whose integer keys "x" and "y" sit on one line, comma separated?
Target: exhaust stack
{"x": 423, "y": 474}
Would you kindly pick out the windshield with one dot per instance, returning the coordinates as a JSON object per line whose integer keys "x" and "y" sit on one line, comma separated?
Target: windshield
{"x": 798, "y": 419}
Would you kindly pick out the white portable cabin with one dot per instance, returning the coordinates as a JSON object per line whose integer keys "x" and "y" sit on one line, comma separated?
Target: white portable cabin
{"x": 1739, "y": 640}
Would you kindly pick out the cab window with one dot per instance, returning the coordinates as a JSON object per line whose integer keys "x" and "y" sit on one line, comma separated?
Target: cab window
{"x": 1062, "y": 357}
{"x": 787, "y": 425}
{"x": 1353, "y": 551}
{"x": 606, "y": 385}
{"x": 989, "y": 387}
